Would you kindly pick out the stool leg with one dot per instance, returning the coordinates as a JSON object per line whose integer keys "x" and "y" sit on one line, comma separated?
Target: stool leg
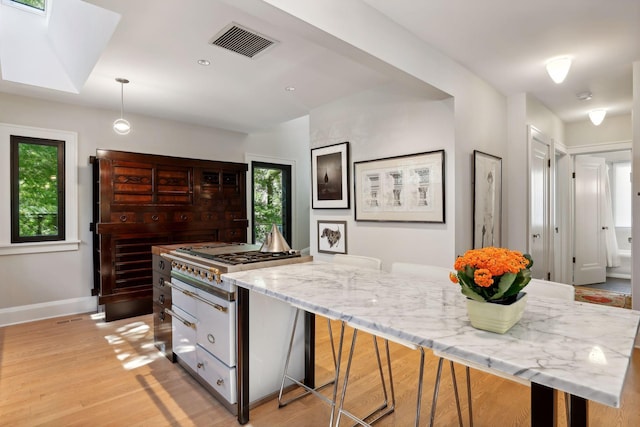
{"x": 420, "y": 377}
{"x": 469, "y": 395}
{"x": 337, "y": 373}
{"x": 309, "y": 390}
{"x": 436, "y": 388}
{"x": 346, "y": 378}
{"x": 455, "y": 392}
{"x": 286, "y": 364}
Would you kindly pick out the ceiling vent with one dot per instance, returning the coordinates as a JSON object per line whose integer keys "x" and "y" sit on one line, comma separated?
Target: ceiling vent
{"x": 242, "y": 40}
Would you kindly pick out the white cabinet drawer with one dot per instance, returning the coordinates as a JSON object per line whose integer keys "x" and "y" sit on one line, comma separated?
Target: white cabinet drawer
{"x": 184, "y": 336}
{"x": 181, "y": 296}
{"x": 217, "y": 374}
{"x": 216, "y": 330}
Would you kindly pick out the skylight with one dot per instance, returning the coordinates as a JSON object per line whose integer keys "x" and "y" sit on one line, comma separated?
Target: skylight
{"x": 34, "y": 5}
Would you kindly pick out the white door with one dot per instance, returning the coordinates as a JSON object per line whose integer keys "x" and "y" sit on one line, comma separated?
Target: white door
{"x": 590, "y": 256}
{"x": 539, "y": 209}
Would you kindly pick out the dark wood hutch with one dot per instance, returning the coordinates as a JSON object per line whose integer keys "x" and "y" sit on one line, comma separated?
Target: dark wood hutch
{"x": 142, "y": 200}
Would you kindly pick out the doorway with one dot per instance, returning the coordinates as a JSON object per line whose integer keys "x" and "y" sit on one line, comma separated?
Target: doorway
{"x": 602, "y": 223}
{"x": 271, "y": 200}
{"x": 540, "y": 239}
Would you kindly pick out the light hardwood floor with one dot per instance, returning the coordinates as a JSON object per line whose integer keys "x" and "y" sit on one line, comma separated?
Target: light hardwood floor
{"x": 80, "y": 371}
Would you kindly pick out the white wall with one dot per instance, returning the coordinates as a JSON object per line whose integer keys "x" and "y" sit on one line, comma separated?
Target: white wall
{"x": 384, "y": 123}
{"x": 44, "y": 285}
{"x": 288, "y": 143}
{"x": 543, "y": 119}
{"x": 612, "y": 130}
{"x": 480, "y": 115}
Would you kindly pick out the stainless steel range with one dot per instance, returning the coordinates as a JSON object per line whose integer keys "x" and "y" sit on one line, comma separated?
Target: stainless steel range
{"x": 213, "y": 321}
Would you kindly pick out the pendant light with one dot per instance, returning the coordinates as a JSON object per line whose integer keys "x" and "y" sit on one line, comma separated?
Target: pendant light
{"x": 121, "y": 126}
{"x": 558, "y": 68}
{"x": 597, "y": 116}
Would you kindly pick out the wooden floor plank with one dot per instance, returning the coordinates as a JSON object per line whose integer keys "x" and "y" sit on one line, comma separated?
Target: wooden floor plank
{"x": 82, "y": 371}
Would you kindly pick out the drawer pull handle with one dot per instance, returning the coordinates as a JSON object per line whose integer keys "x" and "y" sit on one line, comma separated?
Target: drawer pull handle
{"x": 183, "y": 217}
{"x": 200, "y": 365}
{"x": 184, "y": 321}
{"x": 123, "y": 218}
{"x": 211, "y": 338}
{"x": 198, "y": 297}
{"x": 161, "y": 299}
{"x": 220, "y": 382}
{"x": 155, "y": 218}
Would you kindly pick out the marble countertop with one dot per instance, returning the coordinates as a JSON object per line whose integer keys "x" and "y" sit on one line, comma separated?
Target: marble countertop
{"x": 579, "y": 348}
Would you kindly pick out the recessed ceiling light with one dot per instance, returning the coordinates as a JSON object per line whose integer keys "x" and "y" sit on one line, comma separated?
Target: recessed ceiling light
{"x": 290, "y": 88}
{"x": 204, "y": 62}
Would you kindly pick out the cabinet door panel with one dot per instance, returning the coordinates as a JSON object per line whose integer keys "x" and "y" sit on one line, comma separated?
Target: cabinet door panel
{"x": 217, "y": 328}
{"x": 219, "y": 376}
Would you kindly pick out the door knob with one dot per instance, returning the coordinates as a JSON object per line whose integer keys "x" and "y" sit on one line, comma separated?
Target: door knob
{"x": 536, "y": 236}
{"x": 605, "y": 228}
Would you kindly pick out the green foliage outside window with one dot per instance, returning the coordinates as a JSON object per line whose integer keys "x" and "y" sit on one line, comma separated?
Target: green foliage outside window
{"x": 38, "y": 190}
{"x": 36, "y": 4}
{"x": 268, "y": 197}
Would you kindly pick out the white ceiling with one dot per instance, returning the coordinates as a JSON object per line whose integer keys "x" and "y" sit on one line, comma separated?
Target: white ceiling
{"x": 507, "y": 43}
{"x": 156, "y": 46}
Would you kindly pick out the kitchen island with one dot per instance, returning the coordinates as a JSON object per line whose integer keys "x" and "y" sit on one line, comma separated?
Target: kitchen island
{"x": 578, "y": 348}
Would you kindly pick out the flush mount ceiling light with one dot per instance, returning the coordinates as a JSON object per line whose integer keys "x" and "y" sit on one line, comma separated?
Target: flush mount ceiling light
{"x": 204, "y": 62}
{"x": 597, "y": 116}
{"x": 290, "y": 88}
{"x": 121, "y": 126}
{"x": 558, "y": 68}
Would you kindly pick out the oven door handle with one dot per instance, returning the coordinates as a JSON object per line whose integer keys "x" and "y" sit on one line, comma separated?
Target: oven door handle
{"x": 197, "y": 297}
{"x": 180, "y": 318}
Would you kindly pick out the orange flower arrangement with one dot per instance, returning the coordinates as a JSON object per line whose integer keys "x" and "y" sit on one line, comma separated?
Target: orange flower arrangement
{"x": 492, "y": 274}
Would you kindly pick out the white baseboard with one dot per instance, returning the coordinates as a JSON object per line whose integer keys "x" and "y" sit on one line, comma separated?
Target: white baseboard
{"x": 47, "y": 310}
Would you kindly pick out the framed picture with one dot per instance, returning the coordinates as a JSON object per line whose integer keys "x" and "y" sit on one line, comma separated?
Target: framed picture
{"x": 332, "y": 237}
{"x": 487, "y": 200}
{"x": 330, "y": 177}
{"x": 405, "y": 188}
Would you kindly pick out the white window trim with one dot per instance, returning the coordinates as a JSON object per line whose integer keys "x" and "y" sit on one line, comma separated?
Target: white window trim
{"x": 71, "y": 242}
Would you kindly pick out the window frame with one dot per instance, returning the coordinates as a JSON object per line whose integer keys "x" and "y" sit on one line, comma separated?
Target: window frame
{"x": 27, "y": 8}
{"x": 15, "y": 141}
{"x": 71, "y": 241}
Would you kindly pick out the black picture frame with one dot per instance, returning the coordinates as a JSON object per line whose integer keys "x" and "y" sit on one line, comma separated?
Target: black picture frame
{"x": 330, "y": 177}
{"x": 332, "y": 237}
{"x": 487, "y": 200}
{"x": 407, "y": 188}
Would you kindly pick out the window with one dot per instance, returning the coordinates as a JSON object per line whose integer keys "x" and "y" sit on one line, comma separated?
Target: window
{"x": 271, "y": 200}
{"x": 37, "y": 6}
{"x": 67, "y": 219}
{"x": 37, "y": 189}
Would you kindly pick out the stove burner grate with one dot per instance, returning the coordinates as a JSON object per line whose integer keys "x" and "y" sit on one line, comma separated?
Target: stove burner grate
{"x": 235, "y": 258}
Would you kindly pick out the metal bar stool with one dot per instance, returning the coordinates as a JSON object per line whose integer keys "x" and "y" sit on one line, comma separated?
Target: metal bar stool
{"x": 355, "y": 260}
{"x": 313, "y": 390}
{"x": 385, "y": 408}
